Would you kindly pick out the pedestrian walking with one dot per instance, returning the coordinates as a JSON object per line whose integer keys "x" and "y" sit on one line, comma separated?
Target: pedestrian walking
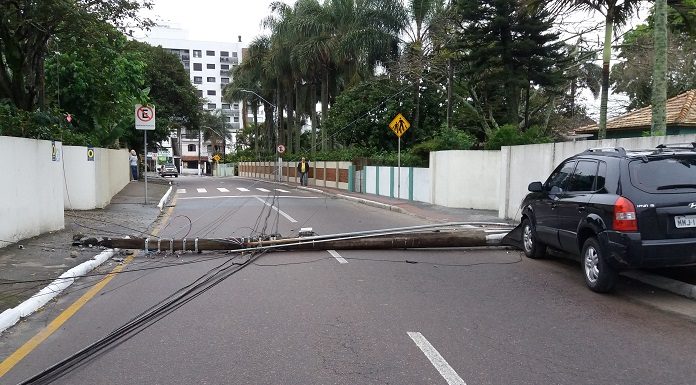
{"x": 303, "y": 169}
{"x": 133, "y": 160}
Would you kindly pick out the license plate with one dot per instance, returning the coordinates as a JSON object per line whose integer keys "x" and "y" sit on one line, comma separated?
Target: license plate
{"x": 682, "y": 221}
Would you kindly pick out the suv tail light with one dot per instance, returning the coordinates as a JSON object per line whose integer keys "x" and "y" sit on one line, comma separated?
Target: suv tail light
{"x": 625, "y": 215}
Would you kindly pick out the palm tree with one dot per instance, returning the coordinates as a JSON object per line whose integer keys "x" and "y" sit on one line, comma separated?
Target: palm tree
{"x": 659, "y": 89}
{"x": 616, "y": 13}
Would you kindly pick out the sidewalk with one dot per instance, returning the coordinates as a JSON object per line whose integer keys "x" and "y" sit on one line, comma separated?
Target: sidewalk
{"x": 47, "y": 256}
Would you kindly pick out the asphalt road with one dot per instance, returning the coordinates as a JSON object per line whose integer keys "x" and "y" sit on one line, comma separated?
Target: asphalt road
{"x": 483, "y": 316}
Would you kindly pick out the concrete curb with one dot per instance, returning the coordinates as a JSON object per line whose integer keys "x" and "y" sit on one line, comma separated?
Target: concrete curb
{"x": 364, "y": 201}
{"x": 11, "y": 316}
{"x": 165, "y": 197}
{"x": 667, "y": 284}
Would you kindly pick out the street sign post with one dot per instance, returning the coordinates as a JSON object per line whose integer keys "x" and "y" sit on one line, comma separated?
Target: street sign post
{"x": 145, "y": 120}
{"x": 399, "y": 125}
{"x": 281, "y": 150}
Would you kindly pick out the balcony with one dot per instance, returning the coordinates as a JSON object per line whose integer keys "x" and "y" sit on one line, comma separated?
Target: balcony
{"x": 185, "y": 57}
{"x": 224, "y": 73}
{"x": 224, "y": 60}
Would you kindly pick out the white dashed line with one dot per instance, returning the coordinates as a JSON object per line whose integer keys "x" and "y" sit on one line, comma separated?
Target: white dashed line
{"x": 337, "y": 256}
{"x": 281, "y": 190}
{"x": 436, "y": 359}
{"x": 263, "y": 189}
{"x": 242, "y": 189}
{"x": 222, "y": 189}
{"x": 281, "y": 212}
{"x": 181, "y": 191}
{"x": 201, "y": 190}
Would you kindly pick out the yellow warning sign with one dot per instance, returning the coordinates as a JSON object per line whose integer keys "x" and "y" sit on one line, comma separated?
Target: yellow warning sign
{"x": 216, "y": 157}
{"x": 399, "y": 125}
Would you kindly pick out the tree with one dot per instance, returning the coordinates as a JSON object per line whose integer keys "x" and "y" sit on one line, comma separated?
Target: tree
{"x": 27, "y": 30}
{"x": 97, "y": 80}
{"x": 616, "y": 13}
{"x": 170, "y": 91}
{"x": 506, "y": 47}
{"x": 659, "y": 92}
{"x": 633, "y": 75}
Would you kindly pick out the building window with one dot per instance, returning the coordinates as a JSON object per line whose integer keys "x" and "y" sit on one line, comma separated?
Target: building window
{"x": 210, "y": 66}
{"x": 197, "y": 79}
{"x": 209, "y": 53}
{"x": 212, "y": 92}
{"x": 236, "y": 119}
{"x": 225, "y": 80}
{"x": 197, "y": 53}
{"x": 225, "y": 106}
{"x": 212, "y": 106}
{"x": 199, "y": 93}
{"x": 192, "y": 147}
{"x": 224, "y": 53}
{"x": 197, "y": 67}
{"x": 224, "y": 66}
{"x": 211, "y": 80}
{"x": 234, "y": 54}
{"x": 228, "y": 119}
{"x": 236, "y": 106}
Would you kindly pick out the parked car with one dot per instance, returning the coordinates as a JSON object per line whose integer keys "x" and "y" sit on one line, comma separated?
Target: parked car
{"x": 616, "y": 209}
{"x": 169, "y": 170}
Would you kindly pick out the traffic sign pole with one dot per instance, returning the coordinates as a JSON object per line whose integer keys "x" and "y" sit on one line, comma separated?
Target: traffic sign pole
{"x": 145, "y": 169}
{"x": 398, "y": 177}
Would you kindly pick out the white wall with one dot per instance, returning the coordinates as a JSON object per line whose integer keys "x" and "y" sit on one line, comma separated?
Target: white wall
{"x": 422, "y": 178}
{"x": 31, "y": 199}
{"x": 522, "y": 165}
{"x": 92, "y": 184}
{"x": 465, "y": 179}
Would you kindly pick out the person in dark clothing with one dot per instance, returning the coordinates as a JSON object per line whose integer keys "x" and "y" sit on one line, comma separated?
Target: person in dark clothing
{"x": 303, "y": 169}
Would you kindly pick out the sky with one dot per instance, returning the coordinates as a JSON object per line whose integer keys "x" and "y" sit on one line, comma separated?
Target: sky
{"x": 214, "y": 20}
{"x": 224, "y": 20}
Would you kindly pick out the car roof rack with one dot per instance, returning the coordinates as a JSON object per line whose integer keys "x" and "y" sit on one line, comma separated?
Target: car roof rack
{"x": 677, "y": 146}
{"x": 612, "y": 150}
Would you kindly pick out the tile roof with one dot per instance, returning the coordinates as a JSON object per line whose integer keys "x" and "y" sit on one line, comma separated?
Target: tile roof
{"x": 681, "y": 111}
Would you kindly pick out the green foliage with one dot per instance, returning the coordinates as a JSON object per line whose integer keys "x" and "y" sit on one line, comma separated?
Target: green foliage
{"x": 509, "y": 135}
{"x": 46, "y": 125}
{"x": 445, "y": 139}
{"x": 98, "y": 86}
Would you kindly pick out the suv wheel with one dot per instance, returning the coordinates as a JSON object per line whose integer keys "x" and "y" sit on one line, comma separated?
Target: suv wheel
{"x": 599, "y": 276}
{"x": 532, "y": 247}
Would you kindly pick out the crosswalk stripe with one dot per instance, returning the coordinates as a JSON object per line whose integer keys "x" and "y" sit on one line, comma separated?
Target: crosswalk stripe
{"x": 281, "y": 190}
{"x": 242, "y": 189}
{"x": 222, "y": 189}
{"x": 263, "y": 189}
{"x": 181, "y": 191}
{"x": 202, "y": 190}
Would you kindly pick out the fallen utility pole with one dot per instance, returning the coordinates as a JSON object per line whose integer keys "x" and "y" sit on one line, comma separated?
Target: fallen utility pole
{"x": 369, "y": 240}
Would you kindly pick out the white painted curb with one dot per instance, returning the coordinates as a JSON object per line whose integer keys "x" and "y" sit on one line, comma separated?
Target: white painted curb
{"x": 165, "y": 197}
{"x": 11, "y": 316}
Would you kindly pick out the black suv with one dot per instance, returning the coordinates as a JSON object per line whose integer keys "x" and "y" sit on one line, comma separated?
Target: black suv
{"x": 617, "y": 209}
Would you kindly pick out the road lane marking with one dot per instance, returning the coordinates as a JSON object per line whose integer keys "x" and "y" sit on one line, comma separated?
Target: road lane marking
{"x": 281, "y": 190}
{"x": 35, "y": 341}
{"x": 436, "y": 359}
{"x": 201, "y": 190}
{"x": 181, "y": 191}
{"x": 248, "y": 196}
{"x": 242, "y": 189}
{"x": 337, "y": 256}
{"x": 281, "y": 212}
{"x": 29, "y": 346}
{"x": 263, "y": 189}
{"x": 222, "y": 189}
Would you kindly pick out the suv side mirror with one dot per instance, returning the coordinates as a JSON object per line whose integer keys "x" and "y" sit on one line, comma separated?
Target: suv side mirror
{"x": 535, "y": 187}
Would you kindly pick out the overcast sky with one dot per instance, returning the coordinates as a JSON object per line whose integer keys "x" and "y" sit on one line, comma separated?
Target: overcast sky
{"x": 214, "y": 20}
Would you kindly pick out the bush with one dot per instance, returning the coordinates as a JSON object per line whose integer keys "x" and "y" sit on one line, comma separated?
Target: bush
{"x": 509, "y": 135}
{"x": 45, "y": 125}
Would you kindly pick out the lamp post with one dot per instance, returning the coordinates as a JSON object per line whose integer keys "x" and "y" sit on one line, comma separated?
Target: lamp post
{"x": 276, "y": 118}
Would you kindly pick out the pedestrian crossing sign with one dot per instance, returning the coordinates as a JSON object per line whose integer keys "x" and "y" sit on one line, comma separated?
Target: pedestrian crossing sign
{"x": 399, "y": 125}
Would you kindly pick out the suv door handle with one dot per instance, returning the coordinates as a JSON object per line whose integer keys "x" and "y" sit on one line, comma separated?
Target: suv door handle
{"x": 582, "y": 208}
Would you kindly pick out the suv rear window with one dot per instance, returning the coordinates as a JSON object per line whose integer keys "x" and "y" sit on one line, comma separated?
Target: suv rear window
{"x": 664, "y": 175}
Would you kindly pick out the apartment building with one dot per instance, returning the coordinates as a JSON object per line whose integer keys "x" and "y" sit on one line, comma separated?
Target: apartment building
{"x": 209, "y": 65}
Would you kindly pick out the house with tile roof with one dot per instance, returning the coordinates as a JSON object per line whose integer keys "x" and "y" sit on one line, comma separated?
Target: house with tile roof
{"x": 681, "y": 119}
